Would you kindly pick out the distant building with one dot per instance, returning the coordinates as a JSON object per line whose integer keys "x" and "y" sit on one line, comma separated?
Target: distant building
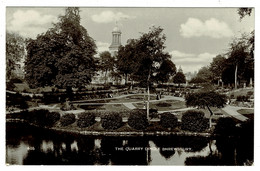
{"x": 190, "y": 75}
{"x": 116, "y": 41}
{"x": 113, "y": 49}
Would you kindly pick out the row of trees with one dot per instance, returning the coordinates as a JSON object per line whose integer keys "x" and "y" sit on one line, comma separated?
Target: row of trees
{"x": 63, "y": 56}
{"x": 236, "y": 65}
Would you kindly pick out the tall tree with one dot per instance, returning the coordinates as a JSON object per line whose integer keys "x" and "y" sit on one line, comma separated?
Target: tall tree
{"x": 126, "y": 62}
{"x": 179, "y": 77}
{"x": 63, "y": 56}
{"x": 206, "y": 100}
{"x": 217, "y": 67}
{"x": 106, "y": 63}
{"x": 15, "y": 51}
{"x": 166, "y": 70}
{"x": 203, "y": 76}
{"x": 149, "y": 56}
{"x": 238, "y": 52}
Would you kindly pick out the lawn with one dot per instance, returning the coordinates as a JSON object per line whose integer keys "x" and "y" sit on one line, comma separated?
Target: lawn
{"x": 249, "y": 113}
{"x": 132, "y": 98}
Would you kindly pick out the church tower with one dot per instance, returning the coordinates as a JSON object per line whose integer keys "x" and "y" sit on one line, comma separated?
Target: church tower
{"x": 116, "y": 41}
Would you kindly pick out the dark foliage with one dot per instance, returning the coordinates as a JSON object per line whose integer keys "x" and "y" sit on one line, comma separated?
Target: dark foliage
{"x": 138, "y": 119}
{"x": 194, "y": 121}
{"x": 42, "y": 117}
{"x": 17, "y": 100}
{"x": 162, "y": 104}
{"x": 243, "y": 98}
{"x": 210, "y": 160}
{"x": 168, "y": 120}
{"x": 85, "y": 120}
{"x": 225, "y": 127}
{"x": 67, "y": 119}
{"x": 206, "y": 99}
{"x": 111, "y": 121}
{"x": 62, "y": 56}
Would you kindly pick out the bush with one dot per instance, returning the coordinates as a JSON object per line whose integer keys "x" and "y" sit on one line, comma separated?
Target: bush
{"x": 111, "y": 121}
{"x": 17, "y": 100}
{"x": 52, "y": 118}
{"x": 42, "y": 117}
{"x": 67, "y": 119}
{"x": 243, "y": 98}
{"x": 193, "y": 120}
{"x": 168, "y": 120}
{"x": 225, "y": 126}
{"x": 163, "y": 104}
{"x": 138, "y": 119}
{"x": 85, "y": 120}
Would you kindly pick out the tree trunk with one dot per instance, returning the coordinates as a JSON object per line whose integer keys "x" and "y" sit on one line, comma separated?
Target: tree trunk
{"x": 236, "y": 77}
{"x": 148, "y": 101}
{"x": 126, "y": 79}
{"x": 210, "y": 117}
{"x": 148, "y": 94}
{"x": 105, "y": 77}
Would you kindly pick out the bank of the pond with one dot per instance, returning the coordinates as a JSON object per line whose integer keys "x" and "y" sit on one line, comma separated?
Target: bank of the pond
{"x": 130, "y": 132}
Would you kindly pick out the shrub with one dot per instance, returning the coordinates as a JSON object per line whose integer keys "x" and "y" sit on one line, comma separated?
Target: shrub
{"x": 138, "y": 119}
{"x": 243, "y": 98}
{"x": 85, "y": 120}
{"x": 42, "y": 117}
{"x": 168, "y": 120}
{"x": 162, "y": 104}
{"x": 225, "y": 126}
{"x": 52, "y": 118}
{"x": 193, "y": 120}
{"x": 67, "y": 119}
{"x": 111, "y": 121}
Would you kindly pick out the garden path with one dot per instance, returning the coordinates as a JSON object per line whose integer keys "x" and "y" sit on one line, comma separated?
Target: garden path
{"x": 232, "y": 110}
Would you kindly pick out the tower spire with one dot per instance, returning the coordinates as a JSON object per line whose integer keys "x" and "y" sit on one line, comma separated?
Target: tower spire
{"x": 116, "y": 39}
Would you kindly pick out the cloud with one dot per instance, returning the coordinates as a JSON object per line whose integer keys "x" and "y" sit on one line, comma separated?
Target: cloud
{"x": 102, "y": 46}
{"x": 210, "y": 28}
{"x": 110, "y": 16}
{"x": 191, "y": 62}
{"x": 30, "y": 23}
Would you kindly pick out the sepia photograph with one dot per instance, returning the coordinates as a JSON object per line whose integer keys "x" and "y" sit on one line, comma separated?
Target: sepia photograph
{"x": 137, "y": 86}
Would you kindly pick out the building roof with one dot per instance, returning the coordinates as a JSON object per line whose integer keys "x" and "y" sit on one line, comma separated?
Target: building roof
{"x": 116, "y": 29}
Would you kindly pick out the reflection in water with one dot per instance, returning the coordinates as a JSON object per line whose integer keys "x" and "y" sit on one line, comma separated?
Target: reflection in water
{"x": 26, "y": 146}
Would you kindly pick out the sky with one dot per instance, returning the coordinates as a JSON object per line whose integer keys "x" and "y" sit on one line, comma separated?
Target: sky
{"x": 193, "y": 35}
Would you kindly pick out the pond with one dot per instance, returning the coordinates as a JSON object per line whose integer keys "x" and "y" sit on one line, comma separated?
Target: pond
{"x": 27, "y": 145}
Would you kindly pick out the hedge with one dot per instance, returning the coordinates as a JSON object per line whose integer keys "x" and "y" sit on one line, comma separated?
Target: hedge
{"x": 193, "y": 120}
{"x": 111, "y": 121}
{"x": 168, "y": 120}
{"x": 67, "y": 119}
{"x": 85, "y": 120}
{"x": 138, "y": 120}
{"x": 225, "y": 126}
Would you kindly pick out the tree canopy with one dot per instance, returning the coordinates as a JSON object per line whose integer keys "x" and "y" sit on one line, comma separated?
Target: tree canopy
{"x": 15, "y": 50}
{"x": 126, "y": 62}
{"x": 179, "y": 77}
{"x": 217, "y": 66}
{"x": 150, "y": 56}
{"x": 63, "y": 56}
{"x": 206, "y": 100}
{"x": 106, "y": 63}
